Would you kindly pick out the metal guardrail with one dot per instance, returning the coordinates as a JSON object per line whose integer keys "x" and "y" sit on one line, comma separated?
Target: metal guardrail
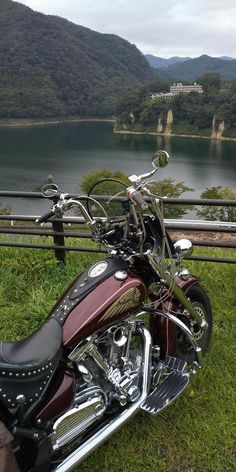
{"x": 59, "y": 232}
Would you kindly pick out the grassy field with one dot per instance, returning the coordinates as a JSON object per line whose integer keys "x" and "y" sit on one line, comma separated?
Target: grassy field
{"x": 195, "y": 434}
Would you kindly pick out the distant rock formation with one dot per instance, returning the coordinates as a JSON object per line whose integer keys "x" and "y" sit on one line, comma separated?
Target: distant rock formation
{"x": 169, "y": 121}
{"x": 217, "y": 130}
{"x": 160, "y": 127}
{"x": 165, "y": 127}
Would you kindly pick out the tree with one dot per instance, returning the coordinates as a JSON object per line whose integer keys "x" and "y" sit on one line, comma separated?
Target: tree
{"x": 210, "y": 82}
{"x": 203, "y": 117}
{"x": 89, "y": 180}
{"x": 233, "y": 86}
{"x": 154, "y": 110}
{"x": 164, "y": 188}
{"x": 225, "y": 113}
{"x": 106, "y": 183}
{"x": 130, "y": 104}
{"x": 5, "y": 210}
{"x": 219, "y": 213}
{"x": 170, "y": 188}
{"x": 159, "y": 85}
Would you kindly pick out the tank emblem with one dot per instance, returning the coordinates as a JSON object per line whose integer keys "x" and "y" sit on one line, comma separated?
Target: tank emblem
{"x": 121, "y": 275}
{"x": 129, "y": 300}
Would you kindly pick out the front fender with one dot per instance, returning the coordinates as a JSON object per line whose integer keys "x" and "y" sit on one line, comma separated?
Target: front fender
{"x": 163, "y": 331}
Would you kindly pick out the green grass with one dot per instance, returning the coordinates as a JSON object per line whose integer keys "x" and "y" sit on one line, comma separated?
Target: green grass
{"x": 195, "y": 434}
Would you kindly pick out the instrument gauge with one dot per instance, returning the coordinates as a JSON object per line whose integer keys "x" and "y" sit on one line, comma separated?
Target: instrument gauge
{"x": 98, "y": 269}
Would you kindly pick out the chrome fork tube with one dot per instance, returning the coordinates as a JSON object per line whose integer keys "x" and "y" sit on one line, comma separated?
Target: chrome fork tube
{"x": 98, "y": 438}
{"x": 177, "y": 291}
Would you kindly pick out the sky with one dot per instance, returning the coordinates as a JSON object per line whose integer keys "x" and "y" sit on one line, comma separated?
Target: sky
{"x": 163, "y": 28}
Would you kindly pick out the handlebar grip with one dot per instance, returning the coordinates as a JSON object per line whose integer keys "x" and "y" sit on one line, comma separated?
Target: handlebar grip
{"x": 137, "y": 198}
{"x": 45, "y": 217}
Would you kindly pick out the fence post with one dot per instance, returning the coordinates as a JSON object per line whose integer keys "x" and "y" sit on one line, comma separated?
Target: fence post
{"x": 59, "y": 240}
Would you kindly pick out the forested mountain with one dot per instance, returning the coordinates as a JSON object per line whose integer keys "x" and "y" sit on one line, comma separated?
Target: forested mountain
{"x": 187, "y": 69}
{"x": 161, "y": 63}
{"x": 191, "y": 69}
{"x": 52, "y": 67}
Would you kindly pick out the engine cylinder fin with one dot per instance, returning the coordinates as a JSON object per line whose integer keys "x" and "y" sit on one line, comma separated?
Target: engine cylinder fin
{"x": 76, "y": 420}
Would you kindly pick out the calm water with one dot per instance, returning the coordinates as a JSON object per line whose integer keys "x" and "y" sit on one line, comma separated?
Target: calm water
{"x": 69, "y": 151}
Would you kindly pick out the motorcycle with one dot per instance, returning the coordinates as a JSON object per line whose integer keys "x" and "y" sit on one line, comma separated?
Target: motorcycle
{"x": 127, "y": 335}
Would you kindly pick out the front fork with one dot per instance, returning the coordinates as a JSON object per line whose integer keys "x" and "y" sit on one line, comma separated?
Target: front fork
{"x": 167, "y": 302}
{"x": 177, "y": 290}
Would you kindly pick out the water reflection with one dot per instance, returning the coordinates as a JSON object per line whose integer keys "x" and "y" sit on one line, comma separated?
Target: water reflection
{"x": 69, "y": 151}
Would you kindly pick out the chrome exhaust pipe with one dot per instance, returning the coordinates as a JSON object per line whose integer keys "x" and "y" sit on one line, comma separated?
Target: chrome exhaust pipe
{"x": 98, "y": 438}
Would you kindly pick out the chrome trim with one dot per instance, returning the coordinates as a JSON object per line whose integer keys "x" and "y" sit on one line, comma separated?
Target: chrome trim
{"x": 182, "y": 326}
{"x": 183, "y": 247}
{"x": 169, "y": 280}
{"x": 98, "y": 438}
{"x": 76, "y": 420}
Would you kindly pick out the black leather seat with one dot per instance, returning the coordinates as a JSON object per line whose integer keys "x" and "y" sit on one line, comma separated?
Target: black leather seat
{"x": 27, "y": 366}
{"x": 33, "y": 351}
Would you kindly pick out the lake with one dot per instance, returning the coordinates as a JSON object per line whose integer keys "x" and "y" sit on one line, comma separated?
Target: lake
{"x": 70, "y": 150}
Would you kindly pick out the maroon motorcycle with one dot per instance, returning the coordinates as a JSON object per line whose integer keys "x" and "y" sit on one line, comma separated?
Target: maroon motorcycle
{"x": 126, "y": 335}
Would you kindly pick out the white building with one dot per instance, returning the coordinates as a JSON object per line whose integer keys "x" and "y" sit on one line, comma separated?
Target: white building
{"x": 162, "y": 95}
{"x": 180, "y": 88}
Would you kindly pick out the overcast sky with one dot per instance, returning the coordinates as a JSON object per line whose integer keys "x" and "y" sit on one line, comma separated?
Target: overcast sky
{"x": 164, "y": 28}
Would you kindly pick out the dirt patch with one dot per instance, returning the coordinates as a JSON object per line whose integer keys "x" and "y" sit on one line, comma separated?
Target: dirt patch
{"x": 204, "y": 236}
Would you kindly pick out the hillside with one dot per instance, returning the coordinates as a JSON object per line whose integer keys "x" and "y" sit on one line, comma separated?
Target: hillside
{"x": 161, "y": 63}
{"x": 211, "y": 114}
{"x": 52, "y": 67}
{"x": 191, "y": 69}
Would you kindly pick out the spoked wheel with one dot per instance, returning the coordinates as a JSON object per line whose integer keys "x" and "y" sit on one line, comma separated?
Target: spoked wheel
{"x": 199, "y": 299}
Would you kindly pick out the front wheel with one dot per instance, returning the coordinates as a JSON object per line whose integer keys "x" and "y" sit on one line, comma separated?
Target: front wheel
{"x": 200, "y": 300}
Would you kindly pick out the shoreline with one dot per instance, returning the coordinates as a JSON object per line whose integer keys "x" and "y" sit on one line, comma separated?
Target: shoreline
{"x": 153, "y": 133}
{"x": 21, "y": 123}
{"x": 24, "y": 123}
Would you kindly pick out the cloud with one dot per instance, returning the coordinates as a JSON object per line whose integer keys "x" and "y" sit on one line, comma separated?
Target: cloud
{"x": 161, "y": 27}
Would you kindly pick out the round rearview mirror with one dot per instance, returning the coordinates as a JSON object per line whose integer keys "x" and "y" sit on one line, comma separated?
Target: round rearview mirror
{"x": 183, "y": 247}
{"x": 160, "y": 159}
{"x": 49, "y": 190}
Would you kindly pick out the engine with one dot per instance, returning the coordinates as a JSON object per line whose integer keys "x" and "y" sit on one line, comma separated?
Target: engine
{"x": 108, "y": 370}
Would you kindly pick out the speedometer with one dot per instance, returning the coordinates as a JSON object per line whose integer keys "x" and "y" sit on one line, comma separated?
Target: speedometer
{"x": 98, "y": 269}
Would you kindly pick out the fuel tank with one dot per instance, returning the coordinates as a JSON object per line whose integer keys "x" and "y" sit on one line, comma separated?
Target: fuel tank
{"x": 107, "y": 292}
